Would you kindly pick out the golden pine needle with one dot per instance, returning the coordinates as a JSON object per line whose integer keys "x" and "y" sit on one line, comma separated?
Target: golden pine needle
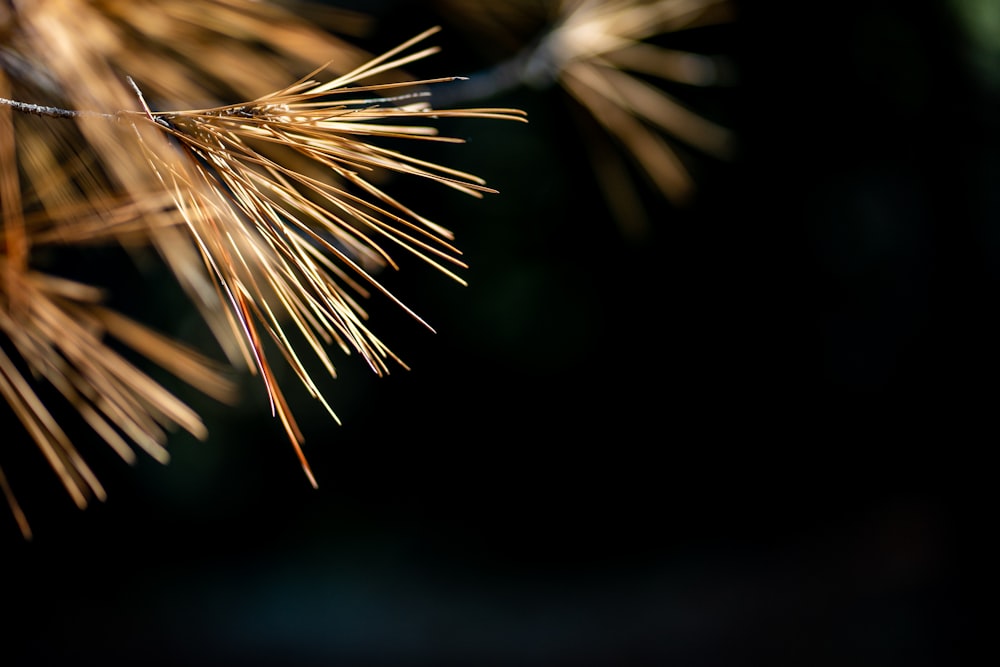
{"x": 15, "y": 507}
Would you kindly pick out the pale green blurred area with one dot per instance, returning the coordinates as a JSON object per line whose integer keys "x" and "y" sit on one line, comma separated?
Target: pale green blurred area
{"x": 980, "y": 23}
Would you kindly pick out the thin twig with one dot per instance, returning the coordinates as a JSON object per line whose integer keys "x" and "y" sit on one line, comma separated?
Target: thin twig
{"x": 52, "y": 112}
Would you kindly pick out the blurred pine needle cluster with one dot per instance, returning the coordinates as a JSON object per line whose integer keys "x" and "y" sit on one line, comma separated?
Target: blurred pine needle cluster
{"x": 244, "y": 142}
{"x": 612, "y": 58}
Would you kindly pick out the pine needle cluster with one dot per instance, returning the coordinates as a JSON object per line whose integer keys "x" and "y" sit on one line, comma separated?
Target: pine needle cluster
{"x": 265, "y": 209}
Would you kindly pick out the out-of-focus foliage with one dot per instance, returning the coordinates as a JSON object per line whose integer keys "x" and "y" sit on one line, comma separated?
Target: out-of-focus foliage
{"x": 980, "y": 23}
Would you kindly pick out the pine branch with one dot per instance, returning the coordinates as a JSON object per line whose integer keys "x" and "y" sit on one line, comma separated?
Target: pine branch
{"x": 265, "y": 204}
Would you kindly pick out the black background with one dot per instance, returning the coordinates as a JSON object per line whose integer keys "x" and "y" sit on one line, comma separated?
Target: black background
{"x": 754, "y": 435}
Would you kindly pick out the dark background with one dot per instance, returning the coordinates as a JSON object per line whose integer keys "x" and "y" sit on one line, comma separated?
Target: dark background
{"x": 754, "y": 435}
